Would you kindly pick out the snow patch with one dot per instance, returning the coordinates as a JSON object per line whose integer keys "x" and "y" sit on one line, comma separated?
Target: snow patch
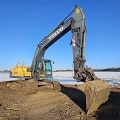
{"x": 113, "y": 78}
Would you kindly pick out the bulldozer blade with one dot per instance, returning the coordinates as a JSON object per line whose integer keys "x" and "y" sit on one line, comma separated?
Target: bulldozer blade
{"x": 96, "y": 92}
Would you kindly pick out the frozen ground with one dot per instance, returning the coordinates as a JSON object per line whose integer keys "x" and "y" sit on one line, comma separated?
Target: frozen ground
{"x": 113, "y": 78}
{"x": 5, "y": 77}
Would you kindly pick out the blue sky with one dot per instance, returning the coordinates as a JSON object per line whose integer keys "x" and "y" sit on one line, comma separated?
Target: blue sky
{"x": 24, "y": 23}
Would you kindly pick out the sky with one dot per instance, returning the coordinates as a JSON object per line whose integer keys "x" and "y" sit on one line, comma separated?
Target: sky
{"x": 24, "y": 23}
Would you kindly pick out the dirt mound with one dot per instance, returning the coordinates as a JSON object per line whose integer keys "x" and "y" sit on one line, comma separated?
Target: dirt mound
{"x": 23, "y": 100}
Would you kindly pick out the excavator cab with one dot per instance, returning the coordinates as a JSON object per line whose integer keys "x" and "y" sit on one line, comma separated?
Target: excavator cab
{"x": 45, "y": 68}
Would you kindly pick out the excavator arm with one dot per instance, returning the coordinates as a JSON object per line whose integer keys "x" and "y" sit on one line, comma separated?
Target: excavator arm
{"x": 75, "y": 23}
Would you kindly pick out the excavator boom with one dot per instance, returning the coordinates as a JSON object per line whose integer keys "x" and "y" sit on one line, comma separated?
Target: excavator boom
{"x": 74, "y": 22}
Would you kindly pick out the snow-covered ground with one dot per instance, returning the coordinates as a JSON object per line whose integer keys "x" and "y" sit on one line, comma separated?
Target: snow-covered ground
{"x": 5, "y": 77}
{"x": 113, "y": 78}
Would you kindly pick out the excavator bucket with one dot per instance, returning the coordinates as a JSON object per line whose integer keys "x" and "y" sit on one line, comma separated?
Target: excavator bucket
{"x": 96, "y": 92}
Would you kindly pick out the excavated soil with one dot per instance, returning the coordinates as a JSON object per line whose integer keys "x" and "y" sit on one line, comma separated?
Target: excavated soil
{"x": 23, "y": 100}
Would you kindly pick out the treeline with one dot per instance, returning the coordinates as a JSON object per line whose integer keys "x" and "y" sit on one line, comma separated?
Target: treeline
{"x": 107, "y": 69}
{"x": 5, "y": 71}
{"x": 62, "y": 70}
{"x": 67, "y": 70}
{"x": 95, "y": 70}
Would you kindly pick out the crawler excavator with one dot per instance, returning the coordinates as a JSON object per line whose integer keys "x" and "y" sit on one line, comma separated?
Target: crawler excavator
{"x": 96, "y": 90}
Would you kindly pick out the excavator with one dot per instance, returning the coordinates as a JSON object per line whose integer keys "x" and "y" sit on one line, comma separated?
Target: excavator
{"x": 96, "y": 90}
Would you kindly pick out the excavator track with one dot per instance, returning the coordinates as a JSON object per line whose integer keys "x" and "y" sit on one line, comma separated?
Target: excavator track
{"x": 54, "y": 85}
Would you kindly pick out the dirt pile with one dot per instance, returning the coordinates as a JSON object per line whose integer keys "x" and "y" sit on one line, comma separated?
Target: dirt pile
{"x": 23, "y": 100}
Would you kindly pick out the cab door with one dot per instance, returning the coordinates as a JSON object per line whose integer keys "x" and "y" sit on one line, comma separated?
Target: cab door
{"x": 48, "y": 68}
{"x": 42, "y": 69}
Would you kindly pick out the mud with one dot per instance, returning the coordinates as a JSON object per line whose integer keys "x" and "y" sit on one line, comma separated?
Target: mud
{"x": 28, "y": 101}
